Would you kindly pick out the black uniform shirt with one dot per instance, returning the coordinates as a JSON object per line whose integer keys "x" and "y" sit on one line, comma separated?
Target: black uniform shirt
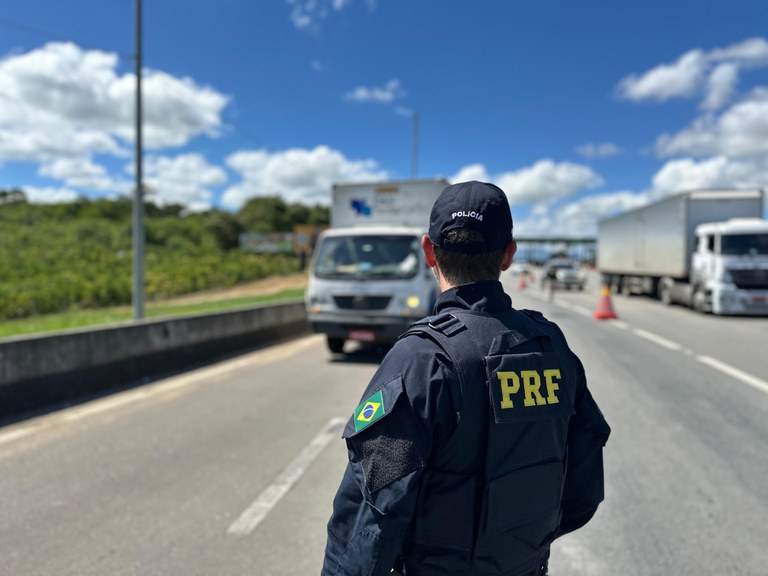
{"x": 375, "y": 501}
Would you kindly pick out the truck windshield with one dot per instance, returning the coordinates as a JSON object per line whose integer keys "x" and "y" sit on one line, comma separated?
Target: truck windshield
{"x": 735, "y": 244}
{"x": 368, "y": 257}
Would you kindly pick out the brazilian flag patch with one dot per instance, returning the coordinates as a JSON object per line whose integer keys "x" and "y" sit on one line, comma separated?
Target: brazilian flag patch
{"x": 369, "y": 411}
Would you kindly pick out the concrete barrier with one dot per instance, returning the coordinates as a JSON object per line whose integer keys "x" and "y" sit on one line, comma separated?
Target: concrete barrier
{"x": 38, "y": 371}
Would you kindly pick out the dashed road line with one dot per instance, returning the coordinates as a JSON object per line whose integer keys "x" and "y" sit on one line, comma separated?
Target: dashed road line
{"x": 268, "y": 499}
{"x": 727, "y": 369}
{"x": 753, "y": 381}
{"x": 656, "y": 339}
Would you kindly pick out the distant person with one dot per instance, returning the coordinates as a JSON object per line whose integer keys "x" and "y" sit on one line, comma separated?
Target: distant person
{"x": 477, "y": 442}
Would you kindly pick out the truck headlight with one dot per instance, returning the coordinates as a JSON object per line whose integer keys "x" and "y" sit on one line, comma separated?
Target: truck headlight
{"x": 411, "y": 305}
{"x": 316, "y": 299}
{"x": 413, "y": 301}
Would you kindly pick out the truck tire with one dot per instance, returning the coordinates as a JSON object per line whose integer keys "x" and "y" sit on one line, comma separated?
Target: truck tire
{"x": 335, "y": 345}
{"x": 665, "y": 293}
{"x": 699, "y": 301}
{"x": 625, "y": 286}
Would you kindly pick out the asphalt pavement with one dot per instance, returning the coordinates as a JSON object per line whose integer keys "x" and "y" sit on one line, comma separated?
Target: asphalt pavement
{"x": 231, "y": 469}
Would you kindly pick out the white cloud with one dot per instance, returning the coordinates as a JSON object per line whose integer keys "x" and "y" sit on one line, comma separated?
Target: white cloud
{"x": 472, "y": 172}
{"x": 679, "y": 79}
{"x": 546, "y": 181}
{"x": 712, "y": 75}
{"x": 79, "y": 173}
{"x": 185, "y": 179}
{"x": 390, "y": 92}
{"x": 741, "y": 131}
{"x": 175, "y": 110}
{"x": 578, "y": 218}
{"x": 307, "y": 14}
{"x": 721, "y": 86}
{"x": 49, "y": 195}
{"x": 602, "y": 150}
{"x": 61, "y": 100}
{"x": 751, "y": 52}
{"x": 543, "y": 182}
{"x": 298, "y": 175}
{"x": 40, "y": 143}
{"x": 718, "y": 172}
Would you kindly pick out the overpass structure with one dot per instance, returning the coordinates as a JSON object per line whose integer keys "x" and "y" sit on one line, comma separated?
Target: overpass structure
{"x": 537, "y": 249}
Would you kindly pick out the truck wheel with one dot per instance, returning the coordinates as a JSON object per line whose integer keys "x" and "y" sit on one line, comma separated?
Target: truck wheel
{"x": 625, "y": 287}
{"x": 665, "y": 293}
{"x": 699, "y": 301}
{"x": 336, "y": 345}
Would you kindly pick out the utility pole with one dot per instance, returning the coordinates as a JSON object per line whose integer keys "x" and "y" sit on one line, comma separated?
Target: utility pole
{"x": 415, "y": 146}
{"x": 138, "y": 198}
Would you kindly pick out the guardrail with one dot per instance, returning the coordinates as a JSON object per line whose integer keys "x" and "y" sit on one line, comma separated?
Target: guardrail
{"x": 40, "y": 371}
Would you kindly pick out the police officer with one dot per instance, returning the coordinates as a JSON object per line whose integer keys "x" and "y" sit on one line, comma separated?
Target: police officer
{"x": 477, "y": 442}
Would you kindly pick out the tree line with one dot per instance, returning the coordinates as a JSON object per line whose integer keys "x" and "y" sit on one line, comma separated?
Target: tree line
{"x": 78, "y": 255}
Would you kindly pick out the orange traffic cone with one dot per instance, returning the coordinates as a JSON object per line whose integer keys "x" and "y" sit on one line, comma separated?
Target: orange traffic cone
{"x": 522, "y": 285}
{"x": 605, "y": 309}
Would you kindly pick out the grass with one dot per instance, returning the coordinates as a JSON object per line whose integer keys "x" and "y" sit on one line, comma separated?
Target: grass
{"x": 106, "y": 316}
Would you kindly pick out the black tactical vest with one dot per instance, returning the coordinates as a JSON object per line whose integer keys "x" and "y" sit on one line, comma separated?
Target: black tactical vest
{"x": 489, "y": 500}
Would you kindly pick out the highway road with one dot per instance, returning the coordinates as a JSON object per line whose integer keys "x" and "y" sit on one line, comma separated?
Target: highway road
{"x": 231, "y": 469}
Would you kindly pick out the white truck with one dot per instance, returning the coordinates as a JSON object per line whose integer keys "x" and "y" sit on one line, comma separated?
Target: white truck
{"x": 368, "y": 279}
{"x": 706, "y": 249}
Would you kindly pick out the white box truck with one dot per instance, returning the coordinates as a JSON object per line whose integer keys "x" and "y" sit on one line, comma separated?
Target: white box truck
{"x": 706, "y": 249}
{"x": 368, "y": 279}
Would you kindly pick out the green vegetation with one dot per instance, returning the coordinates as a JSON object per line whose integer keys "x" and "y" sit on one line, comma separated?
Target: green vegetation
{"x": 62, "y": 259}
{"x": 90, "y": 318}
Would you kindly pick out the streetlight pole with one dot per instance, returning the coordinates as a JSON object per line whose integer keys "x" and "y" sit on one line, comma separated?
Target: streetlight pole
{"x": 138, "y": 199}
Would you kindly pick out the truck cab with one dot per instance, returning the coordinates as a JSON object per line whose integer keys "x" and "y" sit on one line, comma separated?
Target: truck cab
{"x": 729, "y": 272}
{"x": 368, "y": 285}
{"x": 369, "y": 281}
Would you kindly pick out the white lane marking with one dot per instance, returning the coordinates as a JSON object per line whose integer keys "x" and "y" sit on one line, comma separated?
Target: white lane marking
{"x": 162, "y": 388}
{"x": 581, "y": 310}
{"x": 749, "y": 379}
{"x": 753, "y": 381}
{"x": 268, "y": 499}
{"x": 657, "y": 339}
{"x": 727, "y": 369}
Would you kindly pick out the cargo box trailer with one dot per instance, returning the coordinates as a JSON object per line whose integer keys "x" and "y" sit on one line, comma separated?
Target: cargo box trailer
{"x": 707, "y": 249}
{"x": 368, "y": 279}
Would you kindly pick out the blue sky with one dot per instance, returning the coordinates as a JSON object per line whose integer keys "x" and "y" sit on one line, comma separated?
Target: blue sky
{"x": 577, "y": 109}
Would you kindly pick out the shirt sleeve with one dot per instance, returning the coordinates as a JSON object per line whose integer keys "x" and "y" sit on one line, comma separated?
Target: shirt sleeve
{"x": 387, "y": 451}
{"x": 588, "y": 433}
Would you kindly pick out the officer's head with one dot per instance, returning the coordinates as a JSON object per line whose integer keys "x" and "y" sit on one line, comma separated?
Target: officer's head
{"x": 470, "y": 233}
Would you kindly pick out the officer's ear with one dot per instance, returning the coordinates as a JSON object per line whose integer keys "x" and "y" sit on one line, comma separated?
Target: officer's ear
{"x": 509, "y": 253}
{"x": 429, "y": 251}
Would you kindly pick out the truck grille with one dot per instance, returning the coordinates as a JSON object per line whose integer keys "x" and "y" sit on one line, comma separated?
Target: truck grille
{"x": 756, "y": 279}
{"x": 362, "y": 302}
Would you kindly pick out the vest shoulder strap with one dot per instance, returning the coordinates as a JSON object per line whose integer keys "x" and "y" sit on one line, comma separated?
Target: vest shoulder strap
{"x": 440, "y": 329}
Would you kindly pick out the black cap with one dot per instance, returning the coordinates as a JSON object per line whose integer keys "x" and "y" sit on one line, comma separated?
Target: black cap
{"x": 477, "y": 205}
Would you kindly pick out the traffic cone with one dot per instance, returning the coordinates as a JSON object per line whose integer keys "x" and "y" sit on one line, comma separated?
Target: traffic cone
{"x": 605, "y": 309}
{"x": 522, "y": 285}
